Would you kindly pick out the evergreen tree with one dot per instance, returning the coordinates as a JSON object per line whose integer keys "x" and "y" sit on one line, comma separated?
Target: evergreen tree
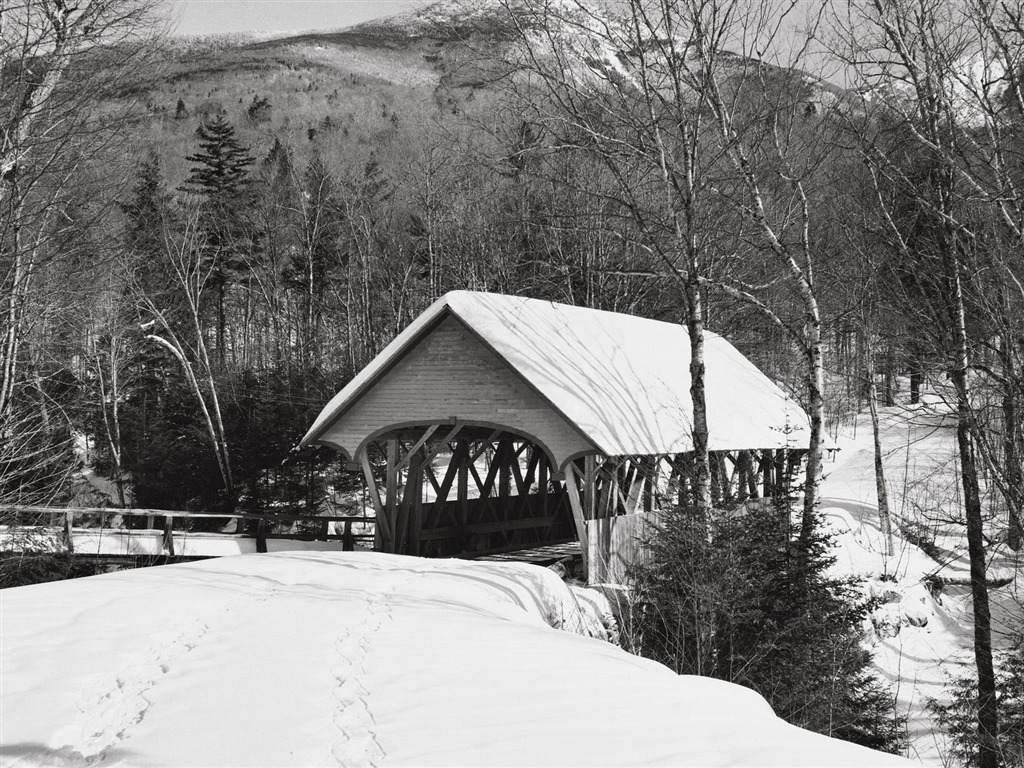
{"x": 146, "y": 212}
{"x": 742, "y": 599}
{"x": 959, "y": 716}
{"x": 259, "y": 110}
{"x": 220, "y": 170}
{"x": 277, "y": 167}
{"x": 220, "y": 177}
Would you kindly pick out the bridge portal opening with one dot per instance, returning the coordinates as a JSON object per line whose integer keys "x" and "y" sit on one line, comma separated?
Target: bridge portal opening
{"x": 464, "y": 491}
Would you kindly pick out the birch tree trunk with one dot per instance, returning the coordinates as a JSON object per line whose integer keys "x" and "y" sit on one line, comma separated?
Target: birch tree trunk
{"x": 884, "y": 518}
{"x": 657, "y": 128}
{"x": 192, "y": 277}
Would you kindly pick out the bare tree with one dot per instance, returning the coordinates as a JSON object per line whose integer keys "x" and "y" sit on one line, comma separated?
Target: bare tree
{"x": 710, "y": 162}
{"x": 184, "y": 336}
{"x": 644, "y": 125}
{"x": 58, "y": 60}
{"x": 884, "y": 516}
{"x": 111, "y": 351}
{"x": 940, "y": 136}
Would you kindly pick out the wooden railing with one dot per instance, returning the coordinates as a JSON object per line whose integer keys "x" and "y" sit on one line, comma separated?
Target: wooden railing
{"x": 65, "y": 517}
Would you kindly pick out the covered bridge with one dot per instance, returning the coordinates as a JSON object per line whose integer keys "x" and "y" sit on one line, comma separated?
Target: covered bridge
{"x": 498, "y": 423}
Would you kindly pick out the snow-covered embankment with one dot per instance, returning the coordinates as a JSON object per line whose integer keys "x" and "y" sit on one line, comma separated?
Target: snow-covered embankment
{"x": 356, "y": 659}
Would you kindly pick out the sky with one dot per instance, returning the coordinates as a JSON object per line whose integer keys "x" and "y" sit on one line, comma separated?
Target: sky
{"x": 215, "y": 17}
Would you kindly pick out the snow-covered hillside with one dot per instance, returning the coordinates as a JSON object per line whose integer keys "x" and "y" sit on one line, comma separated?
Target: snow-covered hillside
{"x": 356, "y": 659}
{"x": 924, "y": 631}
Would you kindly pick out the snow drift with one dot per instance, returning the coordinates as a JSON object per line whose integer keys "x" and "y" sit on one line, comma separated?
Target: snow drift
{"x": 357, "y": 659}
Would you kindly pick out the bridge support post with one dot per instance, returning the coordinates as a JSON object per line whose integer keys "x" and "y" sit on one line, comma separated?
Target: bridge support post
{"x": 577, "y": 514}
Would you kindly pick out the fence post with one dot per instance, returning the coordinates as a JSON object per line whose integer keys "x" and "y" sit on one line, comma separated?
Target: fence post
{"x": 261, "y": 535}
{"x": 69, "y": 542}
{"x": 348, "y": 544}
{"x": 169, "y": 535}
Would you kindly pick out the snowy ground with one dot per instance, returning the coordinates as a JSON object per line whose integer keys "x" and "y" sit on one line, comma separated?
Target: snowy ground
{"x": 922, "y": 639}
{"x": 357, "y": 659}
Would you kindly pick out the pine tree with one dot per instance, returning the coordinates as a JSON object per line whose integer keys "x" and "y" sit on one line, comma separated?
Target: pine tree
{"x": 259, "y": 110}
{"x": 959, "y": 716}
{"x": 277, "y": 165}
{"x": 220, "y": 170}
{"x": 746, "y": 598}
{"x": 145, "y": 208}
{"x": 147, "y": 220}
{"x": 220, "y": 177}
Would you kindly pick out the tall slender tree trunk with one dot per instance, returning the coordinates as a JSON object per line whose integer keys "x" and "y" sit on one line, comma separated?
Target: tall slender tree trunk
{"x": 111, "y": 414}
{"x": 916, "y": 377}
{"x": 221, "y": 324}
{"x": 698, "y": 394}
{"x": 350, "y": 322}
{"x": 816, "y": 413}
{"x": 18, "y": 292}
{"x": 310, "y": 345}
{"x": 988, "y": 715}
{"x": 884, "y": 517}
{"x": 686, "y": 230}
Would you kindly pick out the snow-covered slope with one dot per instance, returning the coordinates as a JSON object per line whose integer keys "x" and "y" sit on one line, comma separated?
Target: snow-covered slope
{"x": 922, "y": 636}
{"x": 595, "y": 41}
{"x": 356, "y": 659}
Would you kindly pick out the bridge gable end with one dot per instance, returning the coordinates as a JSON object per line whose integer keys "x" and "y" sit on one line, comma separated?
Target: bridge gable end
{"x": 450, "y": 375}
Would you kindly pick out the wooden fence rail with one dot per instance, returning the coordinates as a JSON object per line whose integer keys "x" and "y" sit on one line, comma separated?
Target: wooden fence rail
{"x": 261, "y": 534}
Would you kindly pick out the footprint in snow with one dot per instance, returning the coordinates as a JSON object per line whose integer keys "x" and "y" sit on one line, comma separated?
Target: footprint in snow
{"x": 359, "y": 745}
{"x": 111, "y": 708}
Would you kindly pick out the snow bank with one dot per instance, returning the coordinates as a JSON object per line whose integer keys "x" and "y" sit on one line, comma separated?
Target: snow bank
{"x": 357, "y": 659}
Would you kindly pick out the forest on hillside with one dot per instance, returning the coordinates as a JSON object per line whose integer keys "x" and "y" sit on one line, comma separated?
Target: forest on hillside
{"x": 202, "y": 241}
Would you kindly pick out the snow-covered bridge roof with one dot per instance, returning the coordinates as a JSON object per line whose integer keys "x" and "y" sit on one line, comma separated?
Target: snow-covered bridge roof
{"x": 590, "y": 381}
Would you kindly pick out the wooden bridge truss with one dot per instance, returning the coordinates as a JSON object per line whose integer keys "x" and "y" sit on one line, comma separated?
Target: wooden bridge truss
{"x": 473, "y": 491}
{"x": 443, "y": 490}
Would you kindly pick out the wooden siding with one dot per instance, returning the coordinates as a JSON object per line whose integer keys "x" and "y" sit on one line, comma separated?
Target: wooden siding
{"x": 616, "y": 543}
{"x": 451, "y": 374}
